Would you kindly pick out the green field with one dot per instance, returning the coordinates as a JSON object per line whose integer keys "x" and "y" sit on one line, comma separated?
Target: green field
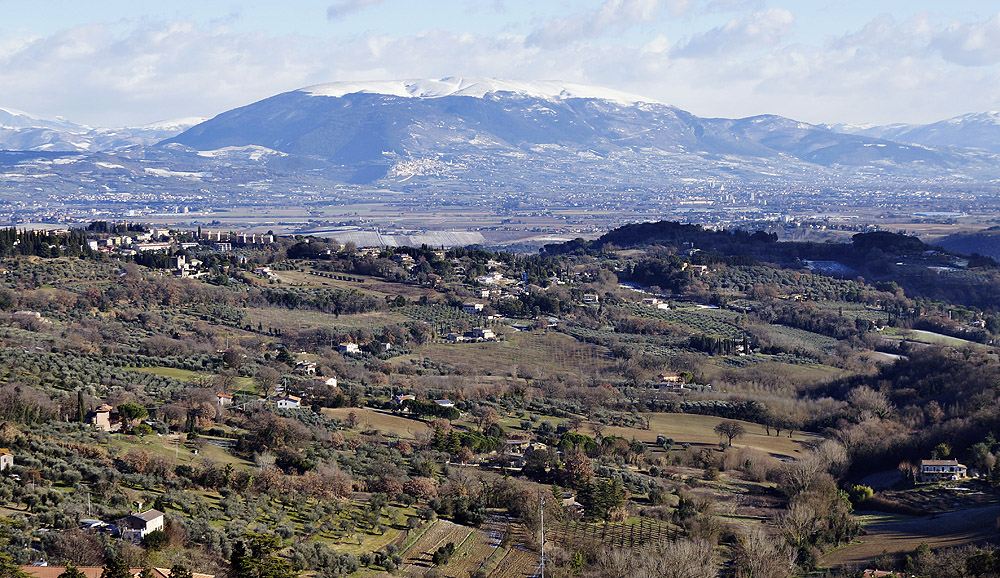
{"x": 182, "y": 374}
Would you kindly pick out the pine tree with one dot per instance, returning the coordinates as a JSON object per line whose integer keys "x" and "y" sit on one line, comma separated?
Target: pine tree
{"x": 255, "y": 557}
{"x": 116, "y": 568}
{"x": 180, "y": 571}
{"x": 71, "y": 571}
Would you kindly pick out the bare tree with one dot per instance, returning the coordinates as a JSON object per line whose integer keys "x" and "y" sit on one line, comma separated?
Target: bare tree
{"x": 869, "y": 404}
{"x": 267, "y": 378}
{"x": 679, "y": 559}
{"x": 730, "y": 430}
{"x": 759, "y": 555}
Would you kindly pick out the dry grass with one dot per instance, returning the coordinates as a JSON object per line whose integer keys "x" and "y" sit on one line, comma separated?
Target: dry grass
{"x": 903, "y": 536}
{"x": 543, "y": 352}
{"x": 382, "y": 421}
{"x": 371, "y": 285}
{"x": 700, "y": 430}
{"x": 166, "y": 446}
{"x": 305, "y": 319}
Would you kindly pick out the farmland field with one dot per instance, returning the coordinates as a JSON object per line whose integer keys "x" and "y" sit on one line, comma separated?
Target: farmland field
{"x": 629, "y": 534}
{"x": 699, "y": 429}
{"x": 934, "y": 338}
{"x": 164, "y": 446}
{"x": 441, "y": 317}
{"x": 382, "y": 421}
{"x": 418, "y": 556}
{"x": 903, "y": 536}
{"x": 714, "y": 322}
{"x": 176, "y": 373}
{"x": 516, "y": 563}
{"x": 790, "y": 338}
{"x": 553, "y": 351}
{"x": 303, "y": 319}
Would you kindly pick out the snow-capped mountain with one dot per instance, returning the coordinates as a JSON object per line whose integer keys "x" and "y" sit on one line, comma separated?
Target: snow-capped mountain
{"x": 474, "y": 129}
{"x": 26, "y": 132}
{"x": 454, "y": 136}
{"x": 973, "y": 131}
{"x": 475, "y": 87}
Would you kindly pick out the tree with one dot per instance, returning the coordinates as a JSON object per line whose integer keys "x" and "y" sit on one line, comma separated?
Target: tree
{"x": 116, "y": 568}
{"x": 730, "y": 430}
{"x": 235, "y": 357}
{"x": 486, "y": 418}
{"x": 132, "y": 412}
{"x": 758, "y": 555}
{"x": 256, "y": 557}
{"x": 157, "y": 540}
{"x": 71, "y": 571}
{"x": 179, "y": 571}
{"x": 267, "y": 378}
{"x": 578, "y": 468}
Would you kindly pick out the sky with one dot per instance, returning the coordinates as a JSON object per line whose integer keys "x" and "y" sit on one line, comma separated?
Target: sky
{"x": 132, "y": 62}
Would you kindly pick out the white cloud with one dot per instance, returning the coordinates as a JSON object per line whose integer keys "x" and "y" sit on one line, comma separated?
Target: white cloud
{"x": 970, "y": 44}
{"x": 886, "y": 71}
{"x": 611, "y": 16}
{"x": 342, "y": 8}
{"x": 760, "y": 29}
{"x": 98, "y": 75}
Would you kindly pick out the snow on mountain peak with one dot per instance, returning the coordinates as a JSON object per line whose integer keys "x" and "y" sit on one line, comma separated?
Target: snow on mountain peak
{"x": 14, "y": 112}
{"x": 176, "y": 124}
{"x": 474, "y": 87}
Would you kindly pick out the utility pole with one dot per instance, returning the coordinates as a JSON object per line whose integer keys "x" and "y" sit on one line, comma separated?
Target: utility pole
{"x": 541, "y": 529}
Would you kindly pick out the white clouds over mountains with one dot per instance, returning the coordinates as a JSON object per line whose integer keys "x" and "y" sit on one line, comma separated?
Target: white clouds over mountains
{"x": 713, "y": 57}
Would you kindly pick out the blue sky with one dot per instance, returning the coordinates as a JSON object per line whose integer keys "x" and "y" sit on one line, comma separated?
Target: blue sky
{"x": 114, "y": 62}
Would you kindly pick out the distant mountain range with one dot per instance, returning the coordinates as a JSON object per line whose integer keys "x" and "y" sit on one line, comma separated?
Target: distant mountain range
{"x": 24, "y": 132}
{"x": 972, "y": 131}
{"x": 460, "y": 134}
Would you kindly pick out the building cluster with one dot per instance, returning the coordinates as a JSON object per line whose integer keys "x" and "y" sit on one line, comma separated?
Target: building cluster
{"x": 478, "y": 334}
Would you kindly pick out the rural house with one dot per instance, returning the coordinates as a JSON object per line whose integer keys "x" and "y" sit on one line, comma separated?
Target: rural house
{"x": 942, "y": 470}
{"x": 135, "y": 527}
{"x": 6, "y": 459}
{"x": 104, "y": 418}
{"x": 348, "y": 348}
{"x": 289, "y": 402}
{"x": 224, "y": 399}
{"x": 304, "y": 368}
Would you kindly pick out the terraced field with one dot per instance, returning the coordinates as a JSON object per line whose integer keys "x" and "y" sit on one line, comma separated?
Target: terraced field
{"x": 517, "y": 563}
{"x": 629, "y": 534}
{"x": 417, "y": 557}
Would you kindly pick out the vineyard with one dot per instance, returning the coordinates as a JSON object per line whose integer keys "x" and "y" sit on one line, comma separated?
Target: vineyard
{"x": 714, "y": 322}
{"x": 516, "y": 563}
{"x": 792, "y": 339}
{"x": 631, "y": 533}
{"x": 474, "y": 550}
{"x": 441, "y": 317}
{"x": 418, "y": 556}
